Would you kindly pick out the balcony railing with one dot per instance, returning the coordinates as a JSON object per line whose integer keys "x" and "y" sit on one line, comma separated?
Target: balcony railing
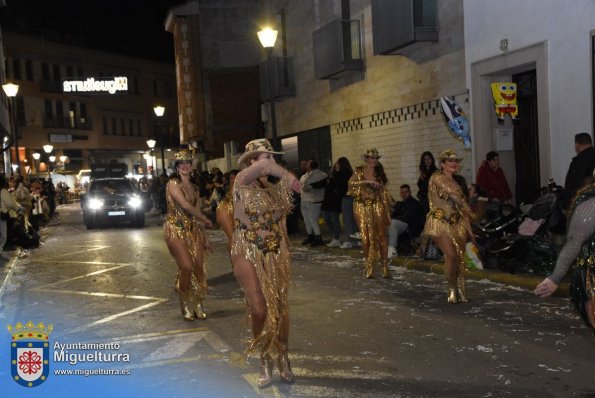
{"x": 337, "y": 49}
{"x": 67, "y": 123}
{"x": 399, "y": 25}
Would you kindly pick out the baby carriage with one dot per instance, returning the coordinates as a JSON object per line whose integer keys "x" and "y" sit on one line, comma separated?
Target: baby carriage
{"x": 522, "y": 242}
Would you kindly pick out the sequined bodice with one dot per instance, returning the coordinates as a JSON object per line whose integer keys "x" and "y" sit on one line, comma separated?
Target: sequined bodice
{"x": 175, "y": 214}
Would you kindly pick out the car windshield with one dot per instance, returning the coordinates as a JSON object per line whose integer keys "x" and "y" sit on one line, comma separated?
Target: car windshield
{"x": 115, "y": 187}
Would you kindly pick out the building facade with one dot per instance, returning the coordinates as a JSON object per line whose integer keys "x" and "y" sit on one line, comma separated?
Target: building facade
{"x": 370, "y": 73}
{"x": 88, "y": 124}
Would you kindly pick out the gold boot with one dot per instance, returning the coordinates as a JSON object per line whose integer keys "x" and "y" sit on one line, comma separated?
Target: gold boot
{"x": 461, "y": 289}
{"x": 266, "y": 371}
{"x": 452, "y": 291}
{"x": 197, "y": 293}
{"x": 186, "y": 305}
{"x": 369, "y": 269}
{"x": 285, "y": 368}
{"x": 385, "y": 271}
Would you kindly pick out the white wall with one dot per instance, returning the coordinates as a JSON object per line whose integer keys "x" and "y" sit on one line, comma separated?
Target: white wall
{"x": 566, "y": 26}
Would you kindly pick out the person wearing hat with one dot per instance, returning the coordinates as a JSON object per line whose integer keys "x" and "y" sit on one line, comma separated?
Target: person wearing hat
{"x": 186, "y": 238}
{"x": 448, "y": 223}
{"x": 260, "y": 254}
{"x": 371, "y": 209}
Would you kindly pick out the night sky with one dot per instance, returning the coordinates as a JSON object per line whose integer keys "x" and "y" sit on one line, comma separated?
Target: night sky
{"x": 129, "y": 27}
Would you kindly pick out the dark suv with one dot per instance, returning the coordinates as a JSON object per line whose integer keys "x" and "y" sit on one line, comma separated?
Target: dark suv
{"x": 110, "y": 201}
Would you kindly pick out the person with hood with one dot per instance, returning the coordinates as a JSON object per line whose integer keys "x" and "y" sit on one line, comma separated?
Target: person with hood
{"x": 313, "y": 183}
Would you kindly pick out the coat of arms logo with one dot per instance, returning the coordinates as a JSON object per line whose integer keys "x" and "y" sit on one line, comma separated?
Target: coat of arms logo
{"x": 29, "y": 349}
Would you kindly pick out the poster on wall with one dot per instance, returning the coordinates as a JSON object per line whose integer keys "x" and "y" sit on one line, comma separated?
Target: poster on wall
{"x": 504, "y": 139}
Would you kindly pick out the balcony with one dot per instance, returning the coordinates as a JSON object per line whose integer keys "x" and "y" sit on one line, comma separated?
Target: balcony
{"x": 67, "y": 123}
{"x": 400, "y": 26}
{"x": 282, "y": 78}
{"x": 337, "y": 49}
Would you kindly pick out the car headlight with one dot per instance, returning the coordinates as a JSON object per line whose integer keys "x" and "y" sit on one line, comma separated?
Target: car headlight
{"x": 135, "y": 202}
{"x": 95, "y": 204}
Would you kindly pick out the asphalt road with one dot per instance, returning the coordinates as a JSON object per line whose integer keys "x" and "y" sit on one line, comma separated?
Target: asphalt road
{"x": 350, "y": 337}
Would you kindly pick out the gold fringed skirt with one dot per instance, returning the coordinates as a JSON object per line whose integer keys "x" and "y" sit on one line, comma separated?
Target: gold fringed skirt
{"x": 273, "y": 271}
{"x": 372, "y": 217}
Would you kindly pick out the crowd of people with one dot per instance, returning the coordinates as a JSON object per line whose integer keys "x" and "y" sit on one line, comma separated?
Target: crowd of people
{"x": 26, "y": 207}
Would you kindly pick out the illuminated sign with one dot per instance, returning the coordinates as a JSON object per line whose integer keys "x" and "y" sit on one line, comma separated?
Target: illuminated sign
{"x": 92, "y": 85}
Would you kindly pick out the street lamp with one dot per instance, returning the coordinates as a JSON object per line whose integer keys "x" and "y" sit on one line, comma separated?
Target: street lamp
{"x": 63, "y": 160}
{"x": 11, "y": 90}
{"x": 267, "y": 38}
{"x": 36, "y": 156}
{"x": 52, "y": 160}
{"x": 159, "y": 111}
{"x": 151, "y": 144}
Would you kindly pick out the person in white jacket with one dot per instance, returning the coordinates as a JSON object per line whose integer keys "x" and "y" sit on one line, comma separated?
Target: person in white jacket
{"x": 313, "y": 184}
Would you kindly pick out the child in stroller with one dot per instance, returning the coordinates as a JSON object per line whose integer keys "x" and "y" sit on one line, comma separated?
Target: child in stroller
{"x": 520, "y": 241}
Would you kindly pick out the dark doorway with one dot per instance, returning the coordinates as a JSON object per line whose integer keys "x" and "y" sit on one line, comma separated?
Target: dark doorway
{"x": 526, "y": 138}
{"x": 316, "y": 144}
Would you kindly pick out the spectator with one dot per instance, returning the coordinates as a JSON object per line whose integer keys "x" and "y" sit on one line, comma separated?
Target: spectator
{"x": 408, "y": 216}
{"x": 331, "y": 206}
{"x": 312, "y": 183}
{"x": 427, "y": 167}
{"x": 492, "y": 182}
{"x": 581, "y": 167}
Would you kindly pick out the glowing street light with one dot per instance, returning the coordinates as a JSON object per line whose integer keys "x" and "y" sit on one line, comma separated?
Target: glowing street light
{"x": 11, "y": 90}
{"x": 267, "y": 38}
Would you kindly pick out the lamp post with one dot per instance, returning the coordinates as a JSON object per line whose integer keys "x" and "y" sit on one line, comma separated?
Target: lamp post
{"x": 52, "y": 160}
{"x": 48, "y": 148}
{"x": 11, "y": 90}
{"x": 151, "y": 144}
{"x": 36, "y": 156}
{"x": 267, "y": 38}
{"x": 63, "y": 159}
{"x": 159, "y": 111}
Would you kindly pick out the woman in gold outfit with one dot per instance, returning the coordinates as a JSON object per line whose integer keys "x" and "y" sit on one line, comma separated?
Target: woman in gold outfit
{"x": 371, "y": 209}
{"x": 448, "y": 223}
{"x": 260, "y": 253}
{"x": 186, "y": 238}
{"x": 224, "y": 212}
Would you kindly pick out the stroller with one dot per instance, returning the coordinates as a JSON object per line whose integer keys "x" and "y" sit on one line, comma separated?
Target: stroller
{"x": 521, "y": 241}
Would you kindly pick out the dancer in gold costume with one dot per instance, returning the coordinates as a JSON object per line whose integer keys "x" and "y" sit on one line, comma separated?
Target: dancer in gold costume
{"x": 224, "y": 212}
{"x": 186, "y": 238}
{"x": 372, "y": 210}
{"x": 448, "y": 223}
{"x": 260, "y": 254}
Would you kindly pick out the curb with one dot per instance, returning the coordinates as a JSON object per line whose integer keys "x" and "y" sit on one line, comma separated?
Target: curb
{"x": 523, "y": 281}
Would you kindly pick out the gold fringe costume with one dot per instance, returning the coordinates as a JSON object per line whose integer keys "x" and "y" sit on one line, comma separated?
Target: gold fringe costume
{"x": 371, "y": 205}
{"x": 181, "y": 226}
{"x": 260, "y": 237}
{"x": 449, "y": 215}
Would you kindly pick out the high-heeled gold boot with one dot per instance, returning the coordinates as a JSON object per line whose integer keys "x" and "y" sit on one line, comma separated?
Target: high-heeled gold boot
{"x": 369, "y": 268}
{"x": 186, "y": 305}
{"x": 461, "y": 295}
{"x": 266, "y": 371}
{"x": 385, "y": 271}
{"x": 452, "y": 291}
{"x": 285, "y": 371}
{"x": 197, "y": 292}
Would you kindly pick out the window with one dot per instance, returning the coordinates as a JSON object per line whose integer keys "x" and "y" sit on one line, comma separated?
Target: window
{"x": 69, "y": 71}
{"x": 155, "y": 91}
{"x": 104, "y": 120}
{"x": 48, "y": 109}
{"x": 16, "y": 69}
{"x": 72, "y": 114}
{"x": 130, "y": 127}
{"x": 57, "y": 75}
{"x": 59, "y": 111}
{"x": 122, "y": 126}
{"x": 29, "y": 70}
{"x": 45, "y": 72}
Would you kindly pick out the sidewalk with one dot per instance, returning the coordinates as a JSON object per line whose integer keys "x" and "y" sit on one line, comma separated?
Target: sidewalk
{"x": 523, "y": 281}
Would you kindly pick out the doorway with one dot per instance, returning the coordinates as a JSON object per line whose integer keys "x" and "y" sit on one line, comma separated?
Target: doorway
{"x": 526, "y": 138}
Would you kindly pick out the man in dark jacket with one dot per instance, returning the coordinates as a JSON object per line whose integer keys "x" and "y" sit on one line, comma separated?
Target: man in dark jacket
{"x": 407, "y": 216}
{"x": 581, "y": 167}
